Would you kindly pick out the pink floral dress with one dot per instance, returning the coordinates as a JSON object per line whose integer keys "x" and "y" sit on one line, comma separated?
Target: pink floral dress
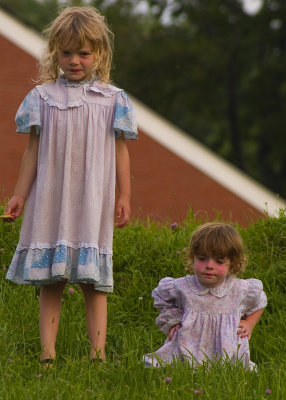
{"x": 209, "y": 319}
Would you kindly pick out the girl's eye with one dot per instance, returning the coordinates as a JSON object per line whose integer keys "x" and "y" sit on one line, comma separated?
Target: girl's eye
{"x": 220, "y": 262}
{"x": 201, "y": 258}
{"x": 65, "y": 52}
{"x": 84, "y": 54}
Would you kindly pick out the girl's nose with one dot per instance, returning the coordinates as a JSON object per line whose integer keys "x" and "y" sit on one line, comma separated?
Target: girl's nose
{"x": 74, "y": 59}
{"x": 210, "y": 263}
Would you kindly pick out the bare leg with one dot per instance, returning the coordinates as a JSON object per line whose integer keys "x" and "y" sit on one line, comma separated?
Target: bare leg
{"x": 50, "y": 310}
{"x": 96, "y": 317}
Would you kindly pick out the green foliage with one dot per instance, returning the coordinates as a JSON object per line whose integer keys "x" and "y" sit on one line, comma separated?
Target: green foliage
{"x": 36, "y": 14}
{"x": 214, "y": 71}
{"x": 143, "y": 254}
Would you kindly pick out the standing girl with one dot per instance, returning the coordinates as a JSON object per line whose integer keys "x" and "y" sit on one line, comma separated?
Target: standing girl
{"x": 77, "y": 123}
{"x": 211, "y": 314}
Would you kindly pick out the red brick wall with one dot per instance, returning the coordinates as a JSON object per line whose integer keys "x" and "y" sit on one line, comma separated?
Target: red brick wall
{"x": 17, "y": 71}
{"x": 163, "y": 186}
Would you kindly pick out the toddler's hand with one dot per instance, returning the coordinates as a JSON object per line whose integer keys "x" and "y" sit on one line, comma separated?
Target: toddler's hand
{"x": 15, "y": 206}
{"x": 245, "y": 329}
{"x": 174, "y": 329}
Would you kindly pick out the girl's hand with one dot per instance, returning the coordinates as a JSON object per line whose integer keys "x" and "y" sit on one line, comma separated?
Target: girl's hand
{"x": 174, "y": 329}
{"x": 123, "y": 212}
{"x": 15, "y": 206}
{"x": 245, "y": 328}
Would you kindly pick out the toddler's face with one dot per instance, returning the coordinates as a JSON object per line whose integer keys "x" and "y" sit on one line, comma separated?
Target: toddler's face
{"x": 211, "y": 272}
{"x": 77, "y": 64}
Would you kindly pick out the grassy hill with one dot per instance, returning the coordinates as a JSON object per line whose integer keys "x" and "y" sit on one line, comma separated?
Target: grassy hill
{"x": 143, "y": 254}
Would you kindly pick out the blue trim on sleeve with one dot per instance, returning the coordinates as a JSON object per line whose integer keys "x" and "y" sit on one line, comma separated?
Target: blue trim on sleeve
{"x": 124, "y": 118}
{"x": 28, "y": 114}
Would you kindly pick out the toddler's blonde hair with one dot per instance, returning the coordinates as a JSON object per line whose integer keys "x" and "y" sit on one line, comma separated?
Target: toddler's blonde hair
{"x": 72, "y": 27}
{"x": 218, "y": 240}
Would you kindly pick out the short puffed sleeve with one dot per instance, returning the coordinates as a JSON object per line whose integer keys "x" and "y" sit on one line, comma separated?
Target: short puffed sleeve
{"x": 167, "y": 299}
{"x": 28, "y": 114}
{"x": 124, "y": 117}
{"x": 254, "y": 299}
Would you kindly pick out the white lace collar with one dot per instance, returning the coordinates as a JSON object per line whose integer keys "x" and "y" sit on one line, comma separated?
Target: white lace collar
{"x": 64, "y": 94}
{"x": 218, "y": 291}
{"x": 75, "y": 83}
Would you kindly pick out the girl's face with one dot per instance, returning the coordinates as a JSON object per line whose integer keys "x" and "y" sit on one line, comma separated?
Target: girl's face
{"x": 211, "y": 272}
{"x": 77, "y": 64}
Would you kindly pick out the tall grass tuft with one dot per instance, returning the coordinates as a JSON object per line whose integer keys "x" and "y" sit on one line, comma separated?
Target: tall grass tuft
{"x": 143, "y": 254}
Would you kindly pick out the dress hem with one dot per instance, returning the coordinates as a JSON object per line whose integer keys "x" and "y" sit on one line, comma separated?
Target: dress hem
{"x": 97, "y": 287}
{"x": 62, "y": 263}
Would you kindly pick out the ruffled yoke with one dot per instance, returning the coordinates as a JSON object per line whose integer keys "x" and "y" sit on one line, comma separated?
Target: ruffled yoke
{"x": 64, "y": 94}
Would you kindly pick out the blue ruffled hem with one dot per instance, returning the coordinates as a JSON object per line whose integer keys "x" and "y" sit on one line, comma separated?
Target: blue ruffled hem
{"x": 62, "y": 263}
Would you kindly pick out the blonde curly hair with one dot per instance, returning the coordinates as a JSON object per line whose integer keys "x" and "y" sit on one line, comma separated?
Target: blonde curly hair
{"x": 72, "y": 27}
{"x": 218, "y": 240}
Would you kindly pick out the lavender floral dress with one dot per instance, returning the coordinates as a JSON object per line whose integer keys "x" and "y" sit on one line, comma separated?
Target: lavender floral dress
{"x": 209, "y": 319}
{"x": 67, "y": 229}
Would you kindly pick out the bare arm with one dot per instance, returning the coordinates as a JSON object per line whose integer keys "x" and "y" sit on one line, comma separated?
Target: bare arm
{"x": 123, "y": 210}
{"x": 246, "y": 326}
{"x": 27, "y": 174}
